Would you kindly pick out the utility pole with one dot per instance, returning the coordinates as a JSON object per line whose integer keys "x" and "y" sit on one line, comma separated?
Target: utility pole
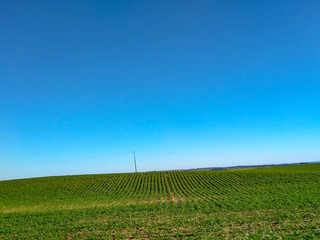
{"x": 135, "y": 162}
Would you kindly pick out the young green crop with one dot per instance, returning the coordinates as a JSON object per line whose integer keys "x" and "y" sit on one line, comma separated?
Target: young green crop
{"x": 181, "y": 195}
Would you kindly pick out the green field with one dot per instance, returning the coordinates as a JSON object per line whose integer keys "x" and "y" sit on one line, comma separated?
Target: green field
{"x": 269, "y": 203}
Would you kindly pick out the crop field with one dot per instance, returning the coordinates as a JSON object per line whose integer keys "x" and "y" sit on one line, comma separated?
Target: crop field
{"x": 269, "y": 203}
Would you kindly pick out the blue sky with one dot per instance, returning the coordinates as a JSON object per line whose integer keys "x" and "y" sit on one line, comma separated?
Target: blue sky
{"x": 198, "y": 84}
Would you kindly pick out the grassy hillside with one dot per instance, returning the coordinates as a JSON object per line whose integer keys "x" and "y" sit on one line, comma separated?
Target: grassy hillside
{"x": 189, "y": 204}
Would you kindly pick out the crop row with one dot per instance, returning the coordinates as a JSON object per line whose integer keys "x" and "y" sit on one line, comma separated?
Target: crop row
{"x": 198, "y": 187}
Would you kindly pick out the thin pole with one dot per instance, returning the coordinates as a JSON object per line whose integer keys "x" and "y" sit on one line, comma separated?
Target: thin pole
{"x": 135, "y": 162}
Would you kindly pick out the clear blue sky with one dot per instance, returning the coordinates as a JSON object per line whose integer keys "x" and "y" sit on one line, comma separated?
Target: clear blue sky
{"x": 186, "y": 84}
